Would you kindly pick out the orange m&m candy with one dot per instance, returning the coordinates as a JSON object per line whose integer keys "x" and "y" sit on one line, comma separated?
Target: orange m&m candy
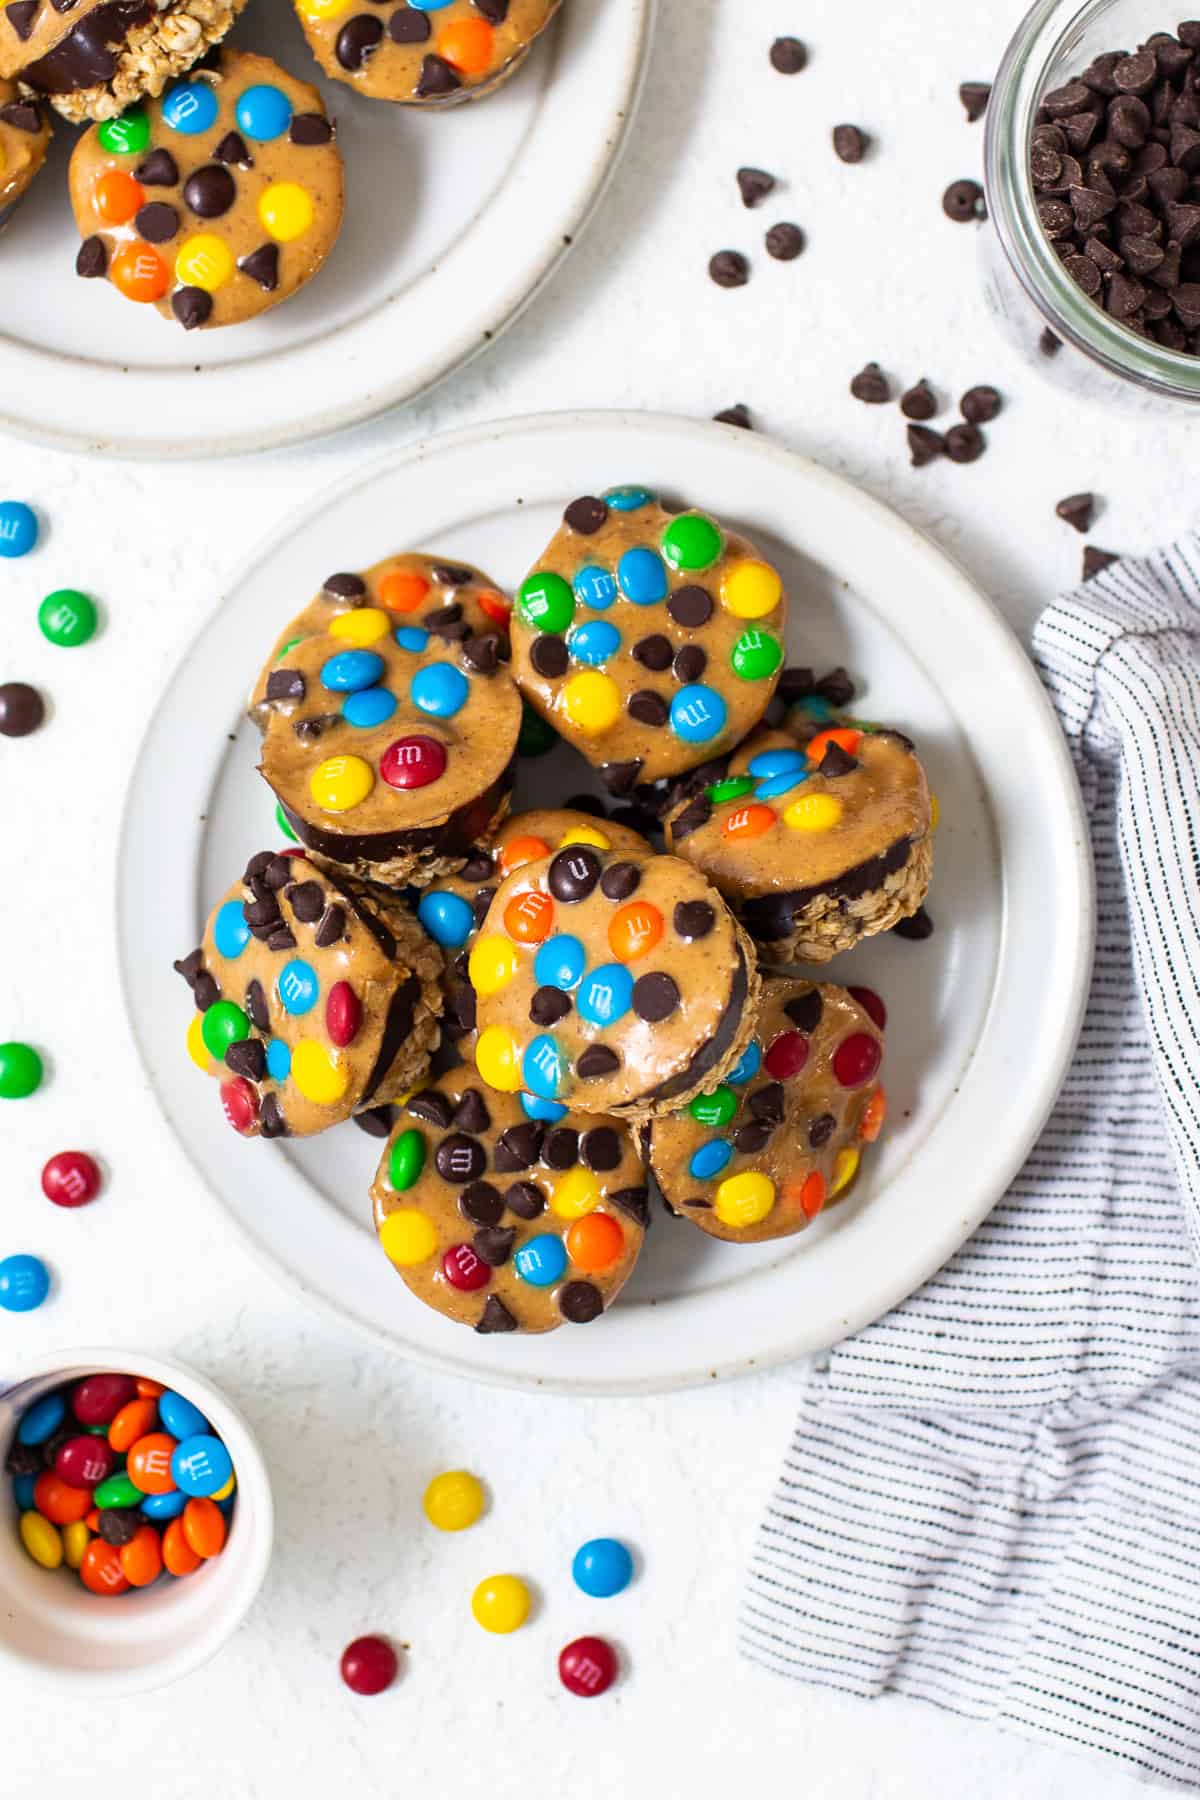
{"x": 529, "y": 916}
{"x": 141, "y": 1557}
{"x": 468, "y": 45}
{"x": 749, "y": 822}
{"x": 131, "y": 1423}
{"x": 634, "y": 929}
{"x": 149, "y": 1465}
{"x": 204, "y": 1527}
{"x": 58, "y": 1501}
{"x": 495, "y": 606}
{"x": 178, "y": 1556}
{"x": 101, "y": 1570}
{"x": 139, "y": 272}
{"x": 811, "y": 1196}
{"x": 147, "y": 1389}
{"x": 117, "y": 197}
{"x": 595, "y": 1241}
{"x": 92, "y": 1521}
{"x": 845, "y": 739}
{"x": 873, "y": 1117}
{"x": 402, "y": 591}
{"x": 520, "y": 851}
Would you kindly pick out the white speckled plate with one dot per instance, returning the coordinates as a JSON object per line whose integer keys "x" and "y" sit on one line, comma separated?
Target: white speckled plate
{"x": 453, "y": 220}
{"x": 983, "y": 1015}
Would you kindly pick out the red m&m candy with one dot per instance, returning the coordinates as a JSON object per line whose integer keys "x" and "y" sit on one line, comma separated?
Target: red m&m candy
{"x": 856, "y": 1059}
{"x": 463, "y": 1269}
{"x": 786, "y": 1056}
{"x": 587, "y": 1666}
{"x": 85, "y": 1461}
{"x": 369, "y": 1665}
{"x": 239, "y": 1103}
{"x": 871, "y": 1004}
{"x": 70, "y": 1179}
{"x": 99, "y": 1399}
{"x": 343, "y": 1014}
{"x": 413, "y": 762}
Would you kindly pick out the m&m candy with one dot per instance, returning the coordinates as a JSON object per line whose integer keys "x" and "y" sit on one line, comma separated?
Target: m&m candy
{"x": 587, "y": 1666}
{"x": 71, "y": 1178}
{"x": 501, "y": 1603}
{"x": 67, "y": 618}
{"x": 18, "y": 528}
{"x": 454, "y": 1500}
{"x": 602, "y": 1567}
{"x": 21, "y": 1071}
{"x": 369, "y": 1665}
{"x": 24, "y": 1283}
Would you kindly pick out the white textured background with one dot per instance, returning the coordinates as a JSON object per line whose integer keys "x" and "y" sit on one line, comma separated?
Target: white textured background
{"x": 352, "y": 1436}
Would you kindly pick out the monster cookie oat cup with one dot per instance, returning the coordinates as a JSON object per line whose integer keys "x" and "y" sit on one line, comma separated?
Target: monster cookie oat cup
{"x": 24, "y": 139}
{"x": 94, "y": 58}
{"x": 431, "y": 53}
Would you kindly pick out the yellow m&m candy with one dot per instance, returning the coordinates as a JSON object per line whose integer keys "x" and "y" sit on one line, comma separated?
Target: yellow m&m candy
{"x": 935, "y": 812}
{"x": 454, "y": 1501}
{"x": 364, "y": 625}
{"x": 341, "y": 782}
{"x": 197, "y": 1048}
{"x": 497, "y": 1060}
{"x": 845, "y": 1168}
{"x": 585, "y": 834}
{"x": 575, "y": 1193}
{"x": 42, "y": 1541}
{"x": 285, "y": 211}
{"x": 744, "y": 1199}
{"x": 501, "y": 1603}
{"x": 75, "y": 1539}
{"x": 407, "y": 1237}
{"x": 813, "y": 812}
{"x": 316, "y": 10}
{"x": 491, "y": 964}
{"x": 319, "y": 1073}
{"x": 592, "y": 701}
{"x": 204, "y": 261}
{"x": 750, "y": 590}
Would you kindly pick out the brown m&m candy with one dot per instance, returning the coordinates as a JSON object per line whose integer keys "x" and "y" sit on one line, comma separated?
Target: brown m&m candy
{"x": 24, "y": 139}
{"x": 421, "y": 54}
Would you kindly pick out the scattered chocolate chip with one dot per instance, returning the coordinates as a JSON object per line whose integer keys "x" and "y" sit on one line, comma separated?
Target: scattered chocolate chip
{"x": 597, "y": 1060}
{"x": 92, "y": 259}
{"x": 549, "y": 1005}
{"x": 648, "y": 708}
{"x": 788, "y": 55}
{"x": 210, "y": 191}
{"x": 285, "y": 684}
{"x": 232, "y": 149}
{"x": 1048, "y": 344}
{"x": 974, "y": 96}
{"x": 964, "y": 443}
{"x": 916, "y": 927}
{"x": 752, "y": 1137}
{"x": 436, "y": 77}
{"x": 408, "y": 25}
{"x": 549, "y": 656}
{"x": 795, "y": 683}
{"x": 518, "y": 1147}
{"x": 694, "y": 919}
{"x": 754, "y": 185}
{"x": 357, "y": 39}
{"x": 963, "y": 201}
{"x": 190, "y": 966}
{"x": 784, "y": 241}
{"x": 20, "y": 14}
{"x": 836, "y": 761}
{"x": 805, "y": 1011}
{"x": 919, "y": 402}
{"x": 600, "y": 1149}
{"x": 849, "y": 143}
{"x": 526, "y": 1200}
{"x": 821, "y": 1130}
{"x": 452, "y": 575}
{"x": 262, "y": 266}
{"x": 580, "y": 1302}
{"x": 620, "y": 777}
{"x": 471, "y": 1114}
{"x": 205, "y": 991}
{"x": 729, "y": 269}
{"x": 871, "y": 385}
{"x": 767, "y": 1103}
{"x": 375, "y": 1121}
{"x": 573, "y": 873}
{"x": 654, "y": 652}
{"x": 620, "y": 880}
{"x": 345, "y": 586}
{"x": 308, "y": 730}
{"x": 310, "y": 128}
{"x": 924, "y": 445}
{"x": 308, "y": 901}
{"x": 481, "y": 1203}
{"x": 495, "y": 1317}
{"x": 635, "y": 1201}
{"x": 479, "y": 866}
{"x": 738, "y": 414}
{"x": 689, "y": 664}
{"x": 159, "y": 169}
{"x": 691, "y": 607}
{"x": 22, "y": 115}
{"x": 979, "y": 405}
{"x": 1095, "y": 559}
{"x": 655, "y": 997}
{"x": 281, "y": 939}
{"x": 332, "y": 927}
{"x": 494, "y": 11}
{"x": 586, "y": 515}
{"x": 836, "y": 687}
{"x": 561, "y": 1148}
{"x": 433, "y": 1106}
{"x": 22, "y": 709}
{"x": 1077, "y": 510}
{"x": 493, "y": 1244}
{"x": 256, "y": 1005}
{"x": 460, "y": 1159}
{"x": 248, "y": 1058}
{"x": 262, "y": 909}
{"x": 482, "y": 653}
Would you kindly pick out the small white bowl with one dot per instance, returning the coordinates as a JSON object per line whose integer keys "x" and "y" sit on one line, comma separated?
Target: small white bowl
{"x": 52, "y": 1627}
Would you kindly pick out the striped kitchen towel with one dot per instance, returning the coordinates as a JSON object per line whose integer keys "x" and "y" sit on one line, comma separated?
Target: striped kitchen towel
{"x": 992, "y": 1497}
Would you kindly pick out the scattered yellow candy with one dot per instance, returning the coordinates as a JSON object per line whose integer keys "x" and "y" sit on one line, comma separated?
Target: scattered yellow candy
{"x": 845, "y": 1167}
{"x": 585, "y": 834}
{"x": 407, "y": 1237}
{"x": 592, "y": 701}
{"x": 935, "y": 812}
{"x": 197, "y": 1048}
{"x": 454, "y": 1500}
{"x": 491, "y": 964}
{"x": 319, "y": 1073}
{"x": 744, "y": 1199}
{"x": 285, "y": 211}
{"x": 750, "y": 590}
{"x": 341, "y": 782}
{"x": 813, "y": 812}
{"x": 497, "y": 1060}
{"x": 204, "y": 261}
{"x": 575, "y": 1193}
{"x": 75, "y": 1537}
{"x": 316, "y": 10}
{"x": 362, "y": 626}
{"x": 43, "y": 1542}
{"x": 224, "y": 1493}
{"x": 501, "y": 1603}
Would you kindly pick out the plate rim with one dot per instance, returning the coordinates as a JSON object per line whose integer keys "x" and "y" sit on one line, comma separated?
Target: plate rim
{"x": 161, "y": 388}
{"x": 1072, "y": 982}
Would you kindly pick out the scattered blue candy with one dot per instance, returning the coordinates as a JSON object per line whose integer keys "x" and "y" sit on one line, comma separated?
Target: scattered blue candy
{"x": 368, "y": 707}
{"x": 595, "y": 587}
{"x": 594, "y": 642}
{"x": 643, "y": 576}
{"x": 440, "y": 689}
{"x": 164, "y": 1506}
{"x": 560, "y": 962}
{"x": 18, "y": 528}
{"x": 541, "y": 1261}
{"x": 180, "y": 1417}
{"x": 816, "y": 706}
{"x": 710, "y": 1159}
{"x": 201, "y": 1465}
{"x": 411, "y": 637}
{"x": 776, "y": 762}
{"x": 627, "y": 499}
{"x": 23, "y": 1486}
{"x": 428, "y": 5}
{"x": 279, "y": 1059}
{"x": 780, "y": 784}
{"x": 602, "y": 1567}
{"x": 448, "y": 918}
{"x": 190, "y": 107}
{"x": 697, "y": 713}
{"x": 263, "y": 112}
{"x": 298, "y": 986}
{"x": 549, "y": 1110}
{"x": 24, "y": 1283}
{"x": 747, "y": 1067}
{"x": 606, "y": 994}
{"x": 42, "y": 1419}
{"x": 542, "y": 1066}
{"x": 351, "y": 670}
{"x": 231, "y": 933}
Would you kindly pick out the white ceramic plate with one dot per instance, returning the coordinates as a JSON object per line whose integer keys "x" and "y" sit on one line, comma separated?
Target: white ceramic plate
{"x": 453, "y": 220}
{"x": 983, "y": 1014}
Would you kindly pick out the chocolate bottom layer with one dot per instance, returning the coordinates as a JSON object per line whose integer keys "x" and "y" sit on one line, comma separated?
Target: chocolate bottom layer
{"x": 400, "y": 1017}
{"x": 89, "y": 54}
{"x": 772, "y": 916}
{"x": 710, "y": 1054}
{"x": 455, "y": 836}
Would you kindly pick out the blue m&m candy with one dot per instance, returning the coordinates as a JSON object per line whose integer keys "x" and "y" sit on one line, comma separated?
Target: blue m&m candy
{"x": 368, "y": 707}
{"x": 162, "y": 1507}
{"x": 776, "y": 762}
{"x": 351, "y": 670}
{"x": 231, "y": 933}
{"x": 543, "y": 1067}
{"x": 606, "y": 994}
{"x": 747, "y": 1066}
{"x": 263, "y": 112}
{"x": 298, "y": 986}
{"x": 201, "y": 1465}
{"x": 595, "y": 587}
{"x": 602, "y": 1567}
{"x": 24, "y": 1283}
{"x": 448, "y": 918}
{"x": 549, "y": 1110}
{"x": 541, "y": 1261}
{"x": 710, "y": 1159}
{"x": 279, "y": 1059}
{"x": 180, "y": 1417}
{"x": 42, "y": 1419}
{"x": 429, "y": 5}
{"x": 627, "y": 499}
{"x": 774, "y": 785}
{"x": 440, "y": 690}
{"x": 560, "y": 962}
{"x": 23, "y": 1486}
{"x": 697, "y": 713}
{"x": 643, "y": 576}
{"x": 594, "y": 642}
{"x": 18, "y": 528}
{"x": 411, "y": 637}
{"x": 190, "y": 107}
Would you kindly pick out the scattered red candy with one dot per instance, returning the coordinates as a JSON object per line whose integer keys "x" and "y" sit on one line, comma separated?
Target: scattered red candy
{"x": 587, "y": 1666}
{"x": 343, "y": 1014}
{"x": 856, "y": 1059}
{"x": 99, "y": 1399}
{"x": 85, "y": 1461}
{"x": 787, "y": 1055}
{"x": 70, "y": 1179}
{"x": 369, "y": 1665}
{"x": 463, "y": 1269}
{"x": 871, "y": 1004}
{"x": 239, "y": 1103}
{"x": 412, "y": 762}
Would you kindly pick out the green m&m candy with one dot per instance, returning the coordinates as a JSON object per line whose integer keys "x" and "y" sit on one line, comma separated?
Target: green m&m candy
{"x": 535, "y": 736}
{"x": 223, "y": 1024}
{"x": 118, "y": 1490}
{"x": 126, "y": 136}
{"x": 714, "y": 1109}
{"x": 20, "y": 1071}
{"x": 692, "y": 542}
{"x": 67, "y": 617}
{"x": 290, "y": 645}
{"x": 546, "y": 602}
{"x": 731, "y": 789}
{"x": 281, "y": 821}
{"x": 407, "y": 1159}
{"x": 756, "y": 655}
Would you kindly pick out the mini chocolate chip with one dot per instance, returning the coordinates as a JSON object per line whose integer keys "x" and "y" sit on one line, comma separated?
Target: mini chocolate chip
{"x": 271, "y": 1121}
{"x": 597, "y": 1060}
{"x": 332, "y": 927}
{"x": 232, "y": 149}
{"x": 479, "y": 866}
{"x": 693, "y": 817}
{"x": 620, "y": 880}
{"x": 694, "y": 919}
{"x": 375, "y": 1121}
{"x": 635, "y": 1201}
{"x": 549, "y": 656}
{"x": 119, "y": 1525}
{"x": 600, "y": 1149}
{"x": 754, "y": 185}
{"x": 836, "y": 761}
{"x": 974, "y": 96}
{"x": 256, "y": 1005}
{"x": 655, "y": 997}
{"x": 357, "y": 39}
{"x": 655, "y": 652}
{"x": 689, "y": 664}
{"x": 345, "y": 586}
{"x": 788, "y": 55}
{"x": 22, "y": 709}
{"x": 919, "y": 402}
{"x": 916, "y": 928}
{"x": 573, "y": 873}
{"x": 436, "y": 77}
{"x": 464, "y": 1008}
{"x": 205, "y": 991}
{"x": 795, "y": 683}
{"x": 979, "y": 405}
{"x": 159, "y": 169}
{"x": 23, "y": 1459}
{"x": 963, "y": 201}
{"x": 561, "y": 1148}
{"x": 21, "y": 15}
{"x": 871, "y": 385}
{"x": 849, "y": 143}
{"x": 1077, "y": 510}
{"x": 481, "y": 1203}
{"x": 308, "y": 900}
{"x": 285, "y": 684}
{"x": 767, "y": 1103}
{"x": 1048, "y": 344}
{"x": 210, "y": 191}
{"x": 924, "y": 445}
{"x": 648, "y": 708}
{"x": 452, "y": 575}
{"x": 586, "y": 515}
{"x": 281, "y": 939}
{"x": 263, "y": 909}
{"x": 92, "y": 259}
{"x": 493, "y": 1244}
{"x": 309, "y": 730}
{"x": 495, "y": 1317}
{"x": 192, "y": 306}
{"x": 22, "y": 115}
{"x": 784, "y": 241}
{"x": 525, "y": 1199}
{"x": 965, "y": 443}
{"x": 409, "y": 26}
{"x": 820, "y": 1130}
{"x": 460, "y": 1159}
{"x": 752, "y": 1137}
{"x": 433, "y": 1106}
{"x": 1095, "y": 559}
{"x": 549, "y": 1005}
{"x": 738, "y": 415}
{"x": 580, "y": 1303}
{"x": 310, "y": 128}
{"x": 836, "y": 687}
{"x": 518, "y": 1147}
{"x": 190, "y": 966}
{"x": 620, "y": 777}
{"x": 262, "y": 266}
{"x": 482, "y": 653}
{"x": 494, "y": 11}
{"x": 248, "y": 1058}
{"x": 805, "y": 1011}
{"x": 729, "y": 269}
{"x": 690, "y": 606}
{"x": 471, "y": 1114}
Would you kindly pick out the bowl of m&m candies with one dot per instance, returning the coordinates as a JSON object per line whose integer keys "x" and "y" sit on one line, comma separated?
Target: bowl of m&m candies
{"x": 136, "y": 1522}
